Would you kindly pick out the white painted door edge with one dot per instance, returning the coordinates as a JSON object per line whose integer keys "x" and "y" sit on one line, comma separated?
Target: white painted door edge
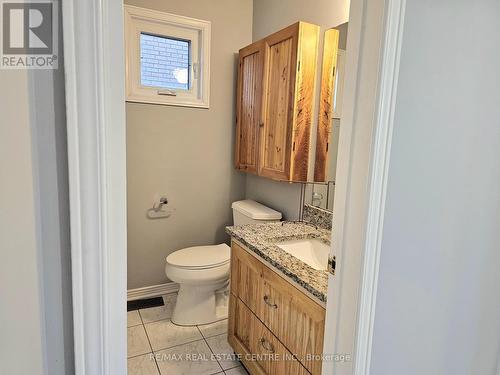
{"x": 352, "y": 292}
{"x": 152, "y": 291}
{"x": 95, "y": 111}
{"x": 384, "y": 124}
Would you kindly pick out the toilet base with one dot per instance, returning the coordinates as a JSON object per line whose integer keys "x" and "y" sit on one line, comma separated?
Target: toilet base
{"x": 201, "y": 304}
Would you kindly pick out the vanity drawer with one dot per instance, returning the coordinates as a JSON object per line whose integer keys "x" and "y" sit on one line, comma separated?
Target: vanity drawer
{"x": 262, "y": 353}
{"x": 297, "y": 320}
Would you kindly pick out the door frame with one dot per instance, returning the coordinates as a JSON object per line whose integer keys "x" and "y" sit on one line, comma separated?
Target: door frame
{"x": 95, "y": 105}
{"x": 95, "y": 115}
{"x": 372, "y": 68}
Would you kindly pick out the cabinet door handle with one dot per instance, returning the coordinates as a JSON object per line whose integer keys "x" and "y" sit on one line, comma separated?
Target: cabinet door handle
{"x": 268, "y": 303}
{"x": 266, "y": 345}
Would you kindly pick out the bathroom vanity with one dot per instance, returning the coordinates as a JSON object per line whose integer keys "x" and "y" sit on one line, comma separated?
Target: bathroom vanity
{"x": 277, "y": 301}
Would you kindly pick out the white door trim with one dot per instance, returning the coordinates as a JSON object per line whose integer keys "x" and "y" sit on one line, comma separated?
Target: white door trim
{"x": 373, "y": 57}
{"x": 95, "y": 104}
{"x": 384, "y": 124}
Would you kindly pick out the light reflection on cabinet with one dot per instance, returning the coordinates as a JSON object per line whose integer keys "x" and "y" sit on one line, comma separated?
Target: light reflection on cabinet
{"x": 275, "y": 96}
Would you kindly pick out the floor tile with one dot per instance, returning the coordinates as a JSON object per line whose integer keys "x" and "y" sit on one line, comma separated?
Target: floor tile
{"x": 165, "y": 334}
{"x": 214, "y": 329}
{"x": 133, "y": 318}
{"x": 223, "y": 351}
{"x": 154, "y": 314}
{"x": 236, "y": 371}
{"x": 194, "y": 358}
{"x": 137, "y": 341}
{"x": 142, "y": 365}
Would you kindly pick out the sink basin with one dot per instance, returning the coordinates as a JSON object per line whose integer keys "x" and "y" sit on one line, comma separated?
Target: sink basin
{"x": 311, "y": 251}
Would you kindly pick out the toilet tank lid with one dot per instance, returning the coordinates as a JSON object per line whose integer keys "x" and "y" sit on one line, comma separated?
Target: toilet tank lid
{"x": 255, "y": 210}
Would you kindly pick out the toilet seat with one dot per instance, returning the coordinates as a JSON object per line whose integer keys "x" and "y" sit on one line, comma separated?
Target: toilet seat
{"x": 200, "y": 257}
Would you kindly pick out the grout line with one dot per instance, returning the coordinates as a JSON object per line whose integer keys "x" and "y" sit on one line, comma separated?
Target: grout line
{"x": 218, "y": 321}
{"x": 138, "y": 355}
{"x": 151, "y": 346}
{"x": 161, "y": 320}
{"x": 140, "y": 317}
{"x": 210, "y": 348}
{"x": 135, "y": 325}
{"x": 237, "y": 364}
{"x": 199, "y": 330}
{"x": 175, "y": 346}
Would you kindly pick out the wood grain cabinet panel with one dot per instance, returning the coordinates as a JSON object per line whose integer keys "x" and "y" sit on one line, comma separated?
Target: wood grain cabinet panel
{"x": 293, "y": 318}
{"x": 261, "y": 352}
{"x": 249, "y": 107}
{"x": 276, "y": 86}
{"x": 246, "y": 272}
{"x": 279, "y": 96}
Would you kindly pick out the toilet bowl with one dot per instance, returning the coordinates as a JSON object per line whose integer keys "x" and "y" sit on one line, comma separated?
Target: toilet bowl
{"x": 203, "y": 271}
{"x": 203, "y": 276}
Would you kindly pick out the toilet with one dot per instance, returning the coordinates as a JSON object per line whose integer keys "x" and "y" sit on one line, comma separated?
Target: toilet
{"x": 202, "y": 272}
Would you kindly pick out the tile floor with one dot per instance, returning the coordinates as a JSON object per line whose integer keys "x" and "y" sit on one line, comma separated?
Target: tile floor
{"x": 158, "y": 347}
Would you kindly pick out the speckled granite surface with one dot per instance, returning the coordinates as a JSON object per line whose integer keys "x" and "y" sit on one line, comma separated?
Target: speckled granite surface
{"x": 262, "y": 239}
{"x": 318, "y": 216}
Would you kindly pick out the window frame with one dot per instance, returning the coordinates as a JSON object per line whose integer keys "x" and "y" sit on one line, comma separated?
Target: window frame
{"x": 146, "y": 21}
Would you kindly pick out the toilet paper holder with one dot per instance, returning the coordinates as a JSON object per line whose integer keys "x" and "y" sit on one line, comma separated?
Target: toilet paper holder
{"x": 157, "y": 211}
{"x": 157, "y": 206}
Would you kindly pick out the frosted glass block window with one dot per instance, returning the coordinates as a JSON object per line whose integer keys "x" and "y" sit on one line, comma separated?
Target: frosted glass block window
{"x": 164, "y": 62}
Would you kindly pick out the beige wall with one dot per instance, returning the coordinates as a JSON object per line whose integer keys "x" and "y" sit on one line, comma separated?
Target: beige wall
{"x": 270, "y": 16}
{"x": 21, "y": 314}
{"x": 438, "y": 304}
{"x": 35, "y": 272}
{"x": 186, "y": 153}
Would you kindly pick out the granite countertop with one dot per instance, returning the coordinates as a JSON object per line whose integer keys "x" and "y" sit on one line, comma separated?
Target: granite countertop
{"x": 262, "y": 239}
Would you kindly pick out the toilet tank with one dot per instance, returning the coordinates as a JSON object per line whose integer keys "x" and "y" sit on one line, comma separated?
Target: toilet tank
{"x": 251, "y": 212}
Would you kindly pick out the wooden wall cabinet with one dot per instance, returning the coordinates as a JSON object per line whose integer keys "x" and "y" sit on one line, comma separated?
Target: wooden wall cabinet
{"x": 275, "y": 98}
{"x": 268, "y": 315}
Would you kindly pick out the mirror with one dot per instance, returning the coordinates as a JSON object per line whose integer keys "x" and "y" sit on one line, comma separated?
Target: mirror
{"x": 320, "y": 193}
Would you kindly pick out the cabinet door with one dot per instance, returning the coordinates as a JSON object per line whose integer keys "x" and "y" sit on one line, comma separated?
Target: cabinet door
{"x": 249, "y": 107}
{"x": 279, "y": 92}
{"x": 329, "y": 101}
{"x": 246, "y": 272}
{"x": 298, "y": 321}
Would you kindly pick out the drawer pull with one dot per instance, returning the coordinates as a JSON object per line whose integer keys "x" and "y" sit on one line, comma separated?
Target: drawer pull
{"x": 266, "y": 345}
{"x": 273, "y": 305}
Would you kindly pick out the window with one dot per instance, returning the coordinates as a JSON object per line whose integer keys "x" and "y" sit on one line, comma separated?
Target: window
{"x": 164, "y": 62}
{"x": 167, "y": 58}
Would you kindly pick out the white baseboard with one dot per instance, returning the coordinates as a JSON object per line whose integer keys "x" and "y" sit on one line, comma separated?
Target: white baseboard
{"x": 152, "y": 291}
